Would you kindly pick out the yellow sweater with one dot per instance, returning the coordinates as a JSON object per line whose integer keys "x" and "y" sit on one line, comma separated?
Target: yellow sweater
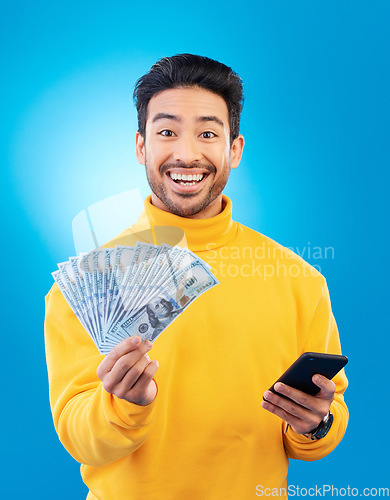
{"x": 205, "y": 436}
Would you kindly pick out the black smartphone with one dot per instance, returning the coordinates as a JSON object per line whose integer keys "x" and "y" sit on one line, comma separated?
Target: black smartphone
{"x": 300, "y": 373}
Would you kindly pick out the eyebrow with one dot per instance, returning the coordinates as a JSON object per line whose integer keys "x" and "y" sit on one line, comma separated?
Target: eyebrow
{"x": 167, "y": 116}
{"x": 210, "y": 119}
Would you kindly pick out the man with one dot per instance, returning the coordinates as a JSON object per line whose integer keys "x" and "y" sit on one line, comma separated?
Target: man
{"x": 194, "y": 424}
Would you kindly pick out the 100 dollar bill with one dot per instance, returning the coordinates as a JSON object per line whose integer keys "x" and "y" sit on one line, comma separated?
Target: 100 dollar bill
{"x": 152, "y": 319}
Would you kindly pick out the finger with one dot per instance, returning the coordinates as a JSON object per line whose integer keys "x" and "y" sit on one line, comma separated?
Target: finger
{"x": 300, "y": 426}
{"x": 318, "y": 403}
{"x": 142, "y": 385}
{"x": 119, "y": 350}
{"x": 294, "y": 421}
{"x": 292, "y": 408}
{"x": 125, "y": 364}
{"x": 132, "y": 375}
{"x": 288, "y": 405}
{"x": 301, "y": 398}
{"x": 328, "y": 387}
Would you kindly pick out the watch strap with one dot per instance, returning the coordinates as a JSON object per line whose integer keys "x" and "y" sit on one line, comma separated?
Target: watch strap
{"x": 322, "y": 428}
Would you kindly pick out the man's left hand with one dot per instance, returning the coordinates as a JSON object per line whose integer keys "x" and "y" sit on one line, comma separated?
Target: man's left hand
{"x": 302, "y": 411}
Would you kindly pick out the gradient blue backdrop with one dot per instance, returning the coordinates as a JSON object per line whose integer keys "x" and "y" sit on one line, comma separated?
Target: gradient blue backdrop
{"x": 314, "y": 174}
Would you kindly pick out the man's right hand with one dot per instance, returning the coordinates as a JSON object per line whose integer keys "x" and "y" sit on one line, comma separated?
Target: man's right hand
{"x": 127, "y": 371}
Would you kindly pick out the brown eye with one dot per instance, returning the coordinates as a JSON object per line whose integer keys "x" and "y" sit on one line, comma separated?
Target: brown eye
{"x": 207, "y": 135}
{"x": 166, "y": 133}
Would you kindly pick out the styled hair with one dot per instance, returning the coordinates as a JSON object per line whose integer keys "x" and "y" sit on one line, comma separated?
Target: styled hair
{"x": 188, "y": 70}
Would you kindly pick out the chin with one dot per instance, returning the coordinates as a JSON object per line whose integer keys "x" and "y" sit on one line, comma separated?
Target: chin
{"x": 190, "y": 209}
{"x": 184, "y": 209}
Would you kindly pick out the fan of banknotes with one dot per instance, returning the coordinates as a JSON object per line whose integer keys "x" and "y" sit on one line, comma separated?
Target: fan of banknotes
{"x": 124, "y": 291}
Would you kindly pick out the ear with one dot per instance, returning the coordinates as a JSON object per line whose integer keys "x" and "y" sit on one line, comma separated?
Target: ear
{"x": 236, "y": 150}
{"x": 140, "y": 148}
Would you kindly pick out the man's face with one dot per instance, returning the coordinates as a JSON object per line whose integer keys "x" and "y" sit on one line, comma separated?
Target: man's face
{"x": 186, "y": 151}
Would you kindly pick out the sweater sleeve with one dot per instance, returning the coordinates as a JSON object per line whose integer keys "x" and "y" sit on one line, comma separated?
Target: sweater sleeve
{"x": 94, "y": 426}
{"x": 322, "y": 336}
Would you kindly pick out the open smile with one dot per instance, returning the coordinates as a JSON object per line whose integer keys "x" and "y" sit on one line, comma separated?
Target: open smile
{"x": 187, "y": 182}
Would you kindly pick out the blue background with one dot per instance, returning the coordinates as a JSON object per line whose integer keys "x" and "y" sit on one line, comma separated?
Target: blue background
{"x": 314, "y": 174}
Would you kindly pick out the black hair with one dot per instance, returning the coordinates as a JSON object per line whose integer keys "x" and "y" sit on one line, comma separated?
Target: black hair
{"x": 189, "y": 70}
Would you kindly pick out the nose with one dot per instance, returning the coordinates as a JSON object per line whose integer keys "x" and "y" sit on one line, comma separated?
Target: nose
{"x": 186, "y": 149}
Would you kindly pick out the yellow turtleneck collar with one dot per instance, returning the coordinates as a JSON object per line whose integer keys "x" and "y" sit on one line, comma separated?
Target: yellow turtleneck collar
{"x": 200, "y": 234}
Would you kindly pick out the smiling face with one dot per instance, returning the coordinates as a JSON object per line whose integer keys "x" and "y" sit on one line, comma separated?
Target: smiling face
{"x": 186, "y": 151}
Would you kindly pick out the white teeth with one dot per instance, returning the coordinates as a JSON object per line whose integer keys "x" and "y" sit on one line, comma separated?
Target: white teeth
{"x": 187, "y": 178}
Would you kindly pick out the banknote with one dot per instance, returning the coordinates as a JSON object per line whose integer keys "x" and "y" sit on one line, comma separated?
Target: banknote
{"x": 131, "y": 290}
{"x": 169, "y": 302}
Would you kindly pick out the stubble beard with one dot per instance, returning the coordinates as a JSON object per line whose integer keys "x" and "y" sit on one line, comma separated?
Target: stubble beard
{"x": 187, "y": 209}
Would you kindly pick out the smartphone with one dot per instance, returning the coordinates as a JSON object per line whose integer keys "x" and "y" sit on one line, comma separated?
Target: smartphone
{"x": 300, "y": 373}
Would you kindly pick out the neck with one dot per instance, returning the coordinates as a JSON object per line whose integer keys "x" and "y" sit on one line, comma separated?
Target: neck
{"x": 161, "y": 226}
